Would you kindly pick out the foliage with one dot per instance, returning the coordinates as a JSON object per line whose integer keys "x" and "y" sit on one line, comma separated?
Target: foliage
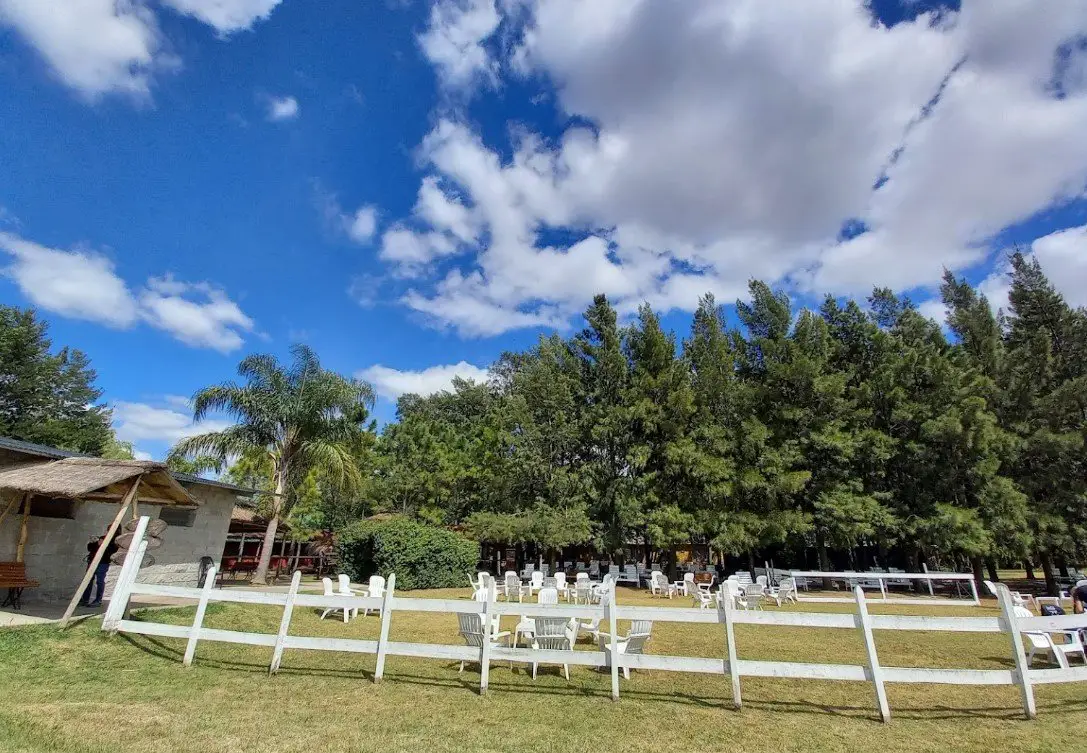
{"x": 300, "y": 417}
{"x": 421, "y": 555}
{"x": 46, "y": 397}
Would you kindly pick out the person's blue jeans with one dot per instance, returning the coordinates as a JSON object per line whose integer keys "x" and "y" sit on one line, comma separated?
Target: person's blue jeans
{"x": 99, "y": 581}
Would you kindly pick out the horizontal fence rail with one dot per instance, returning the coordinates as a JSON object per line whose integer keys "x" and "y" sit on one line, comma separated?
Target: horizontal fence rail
{"x": 726, "y": 616}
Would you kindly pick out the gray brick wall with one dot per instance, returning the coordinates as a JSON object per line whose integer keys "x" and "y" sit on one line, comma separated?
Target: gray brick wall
{"x": 56, "y": 547}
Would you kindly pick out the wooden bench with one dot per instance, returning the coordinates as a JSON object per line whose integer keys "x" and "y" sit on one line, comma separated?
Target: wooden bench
{"x": 13, "y": 577}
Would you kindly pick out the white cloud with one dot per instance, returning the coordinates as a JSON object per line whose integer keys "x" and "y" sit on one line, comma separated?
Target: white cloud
{"x": 934, "y": 309}
{"x": 392, "y": 383}
{"x": 734, "y": 140}
{"x": 94, "y": 46}
{"x": 197, "y": 314}
{"x": 362, "y": 224}
{"x": 80, "y": 284}
{"x": 454, "y": 39}
{"x": 225, "y": 16}
{"x": 100, "y": 47}
{"x": 84, "y": 284}
{"x": 282, "y": 108}
{"x": 139, "y": 422}
{"x": 140, "y": 454}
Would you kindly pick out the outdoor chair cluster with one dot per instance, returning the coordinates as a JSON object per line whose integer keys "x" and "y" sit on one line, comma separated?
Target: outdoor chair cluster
{"x": 739, "y": 589}
{"x": 376, "y": 588}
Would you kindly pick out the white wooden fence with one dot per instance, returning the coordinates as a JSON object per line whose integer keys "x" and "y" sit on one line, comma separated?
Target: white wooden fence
{"x": 727, "y": 617}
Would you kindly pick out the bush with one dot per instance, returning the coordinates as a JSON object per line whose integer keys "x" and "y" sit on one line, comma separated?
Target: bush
{"x": 422, "y": 556}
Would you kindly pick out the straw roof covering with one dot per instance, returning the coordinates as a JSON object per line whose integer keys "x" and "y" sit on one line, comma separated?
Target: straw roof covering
{"x": 97, "y": 479}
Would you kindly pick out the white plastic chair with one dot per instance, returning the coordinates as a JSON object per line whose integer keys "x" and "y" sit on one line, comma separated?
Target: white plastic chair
{"x": 752, "y": 597}
{"x": 583, "y": 589}
{"x": 785, "y": 591}
{"x": 1042, "y": 642}
{"x": 1018, "y": 599}
{"x": 702, "y": 599}
{"x": 633, "y": 643}
{"x": 471, "y": 629}
{"x": 686, "y": 585}
{"x": 659, "y": 585}
{"x": 326, "y": 583}
{"x": 553, "y": 634}
{"x": 560, "y": 585}
{"x": 345, "y": 590}
{"x": 535, "y": 582}
{"x": 513, "y": 587}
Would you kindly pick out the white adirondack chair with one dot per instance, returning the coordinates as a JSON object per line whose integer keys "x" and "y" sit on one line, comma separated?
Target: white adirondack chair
{"x": 633, "y": 643}
{"x": 553, "y": 634}
{"x": 535, "y": 582}
{"x": 686, "y": 585}
{"x": 1018, "y": 599}
{"x": 583, "y": 589}
{"x": 752, "y": 597}
{"x": 1042, "y": 642}
{"x": 512, "y": 587}
{"x": 326, "y": 584}
{"x": 344, "y": 589}
{"x": 376, "y": 589}
{"x": 561, "y": 585}
{"x": 659, "y": 585}
{"x": 471, "y": 629}
{"x": 785, "y": 591}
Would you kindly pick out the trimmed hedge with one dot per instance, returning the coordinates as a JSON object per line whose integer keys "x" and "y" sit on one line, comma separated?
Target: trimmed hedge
{"x": 422, "y": 556}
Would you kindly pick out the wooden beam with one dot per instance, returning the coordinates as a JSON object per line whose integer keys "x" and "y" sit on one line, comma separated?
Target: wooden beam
{"x": 20, "y": 550}
{"x": 110, "y": 533}
{"x": 9, "y": 508}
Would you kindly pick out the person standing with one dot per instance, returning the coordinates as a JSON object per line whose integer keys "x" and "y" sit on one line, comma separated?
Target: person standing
{"x": 1079, "y": 597}
{"x": 97, "y": 587}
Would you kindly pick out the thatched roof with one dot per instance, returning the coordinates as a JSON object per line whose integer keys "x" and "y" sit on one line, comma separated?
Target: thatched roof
{"x": 98, "y": 479}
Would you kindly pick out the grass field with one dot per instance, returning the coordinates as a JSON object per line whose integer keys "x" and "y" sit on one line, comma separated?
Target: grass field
{"x": 84, "y": 692}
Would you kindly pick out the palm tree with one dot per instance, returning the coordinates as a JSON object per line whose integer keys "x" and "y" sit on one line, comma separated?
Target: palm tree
{"x": 301, "y": 415}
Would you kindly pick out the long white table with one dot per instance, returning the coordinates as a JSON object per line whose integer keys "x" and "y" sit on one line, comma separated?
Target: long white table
{"x": 882, "y": 578}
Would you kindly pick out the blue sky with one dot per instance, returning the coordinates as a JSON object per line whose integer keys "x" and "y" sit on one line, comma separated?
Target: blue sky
{"x": 413, "y": 187}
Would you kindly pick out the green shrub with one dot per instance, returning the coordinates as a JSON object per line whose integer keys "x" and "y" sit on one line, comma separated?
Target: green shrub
{"x": 422, "y": 556}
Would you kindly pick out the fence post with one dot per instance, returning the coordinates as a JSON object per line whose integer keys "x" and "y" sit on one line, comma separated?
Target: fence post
{"x": 130, "y": 567}
{"x": 974, "y": 592}
{"x": 614, "y": 629}
{"x": 386, "y": 617}
{"x": 285, "y": 622}
{"x": 1021, "y": 668}
{"x": 875, "y": 671}
{"x": 928, "y": 581}
{"x": 485, "y": 650}
{"x": 198, "y": 620}
{"x": 732, "y": 664}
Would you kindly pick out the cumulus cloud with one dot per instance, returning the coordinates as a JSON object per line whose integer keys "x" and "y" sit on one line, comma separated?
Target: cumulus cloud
{"x": 361, "y": 224}
{"x": 282, "y": 108}
{"x": 225, "y": 16}
{"x": 84, "y": 284}
{"x": 139, "y": 422}
{"x": 80, "y": 284}
{"x": 712, "y": 142}
{"x": 454, "y": 41}
{"x": 1063, "y": 256}
{"x": 392, "y": 383}
{"x": 100, "y": 47}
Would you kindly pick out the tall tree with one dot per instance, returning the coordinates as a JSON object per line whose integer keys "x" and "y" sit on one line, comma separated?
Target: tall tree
{"x": 46, "y": 397}
{"x": 300, "y": 415}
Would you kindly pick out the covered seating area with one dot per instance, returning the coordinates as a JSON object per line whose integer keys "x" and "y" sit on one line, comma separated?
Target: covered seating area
{"x": 125, "y": 484}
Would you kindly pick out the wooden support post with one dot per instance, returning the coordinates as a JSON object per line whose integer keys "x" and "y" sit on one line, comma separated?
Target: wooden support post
{"x": 928, "y": 581}
{"x": 614, "y": 629}
{"x": 198, "y": 620}
{"x": 285, "y": 622}
{"x": 485, "y": 651}
{"x": 1022, "y": 669}
{"x": 974, "y": 592}
{"x": 383, "y": 636}
{"x": 20, "y": 549}
{"x": 732, "y": 663}
{"x": 9, "y": 507}
{"x": 883, "y": 588}
{"x": 875, "y": 671}
{"x": 118, "y": 602}
{"x": 130, "y": 497}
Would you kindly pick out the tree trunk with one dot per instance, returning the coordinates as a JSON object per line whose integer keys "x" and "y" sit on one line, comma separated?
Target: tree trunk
{"x": 751, "y": 563}
{"x": 977, "y": 564}
{"x": 1047, "y": 572}
{"x": 824, "y": 563}
{"x": 1062, "y": 566}
{"x": 260, "y": 576}
{"x": 990, "y": 565}
{"x": 1028, "y": 566}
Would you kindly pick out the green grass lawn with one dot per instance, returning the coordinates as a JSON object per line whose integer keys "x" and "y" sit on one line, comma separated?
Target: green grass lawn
{"x": 83, "y": 691}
